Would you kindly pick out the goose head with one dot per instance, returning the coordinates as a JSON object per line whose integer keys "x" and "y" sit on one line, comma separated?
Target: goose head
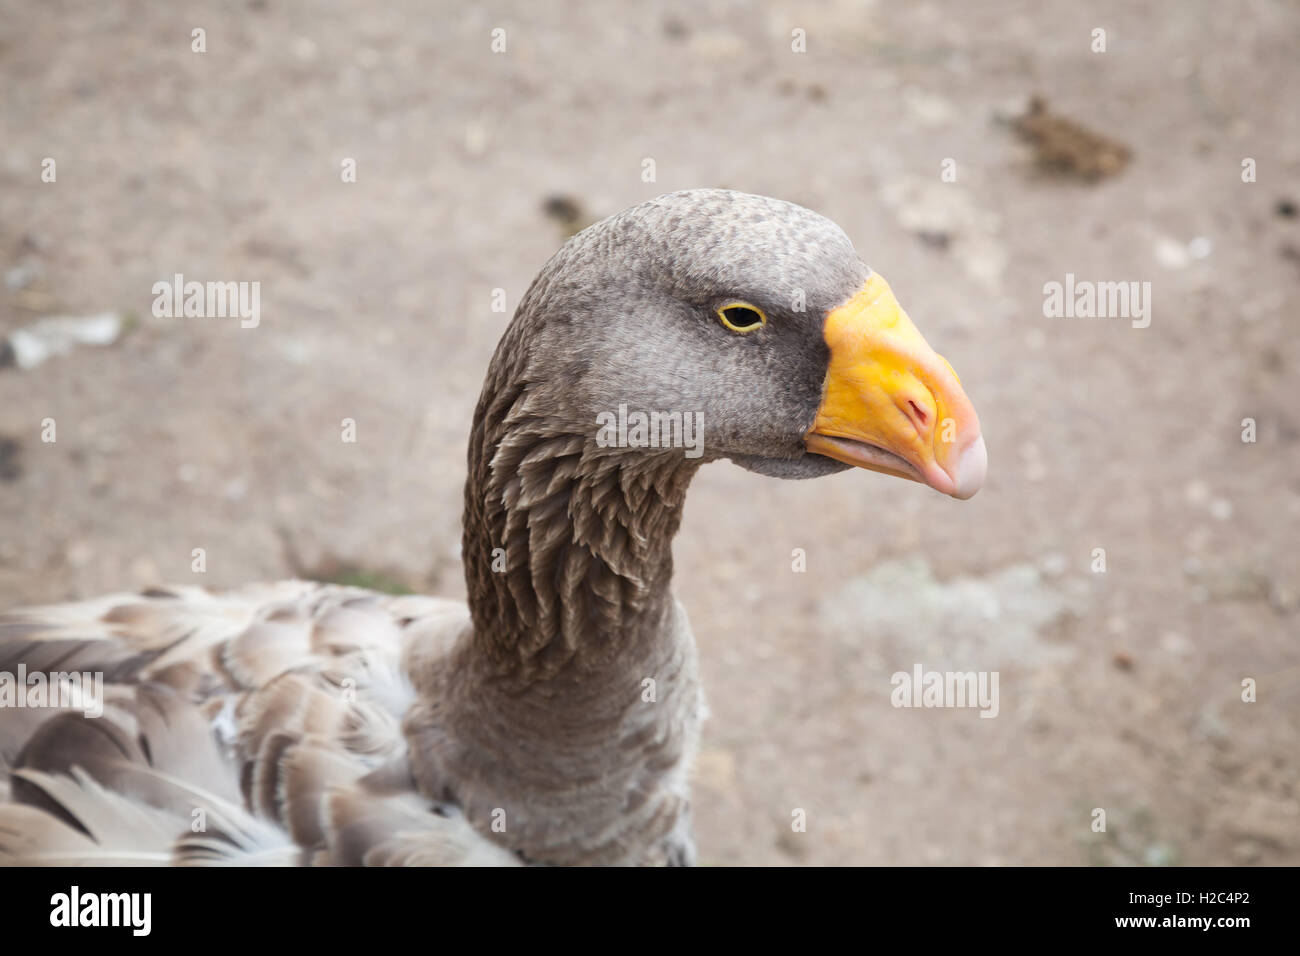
{"x": 756, "y": 320}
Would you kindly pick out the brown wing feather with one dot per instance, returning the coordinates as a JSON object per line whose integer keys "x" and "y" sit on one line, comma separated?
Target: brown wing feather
{"x": 258, "y": 726}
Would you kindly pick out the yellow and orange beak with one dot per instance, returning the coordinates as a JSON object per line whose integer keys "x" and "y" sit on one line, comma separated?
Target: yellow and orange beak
{"x": 891, "y": 403}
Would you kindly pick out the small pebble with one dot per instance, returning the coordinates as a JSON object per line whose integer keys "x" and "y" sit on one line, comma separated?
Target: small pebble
{"x": 1055, "y": 565}
{"x": 79, "y": 554}
{"x": 21, "y": 276}
{"x": 144, "y": 571}
{"x": 476, "y": 139}
{"x": 236, "y": 489}
{"x": 1172, "y": 254}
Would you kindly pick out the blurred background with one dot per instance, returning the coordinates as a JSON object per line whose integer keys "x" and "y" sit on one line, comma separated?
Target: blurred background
{"x": 912, "y": 126}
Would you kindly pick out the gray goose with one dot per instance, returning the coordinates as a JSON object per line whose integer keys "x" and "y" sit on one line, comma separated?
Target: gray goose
{"x": 303, "y": 723}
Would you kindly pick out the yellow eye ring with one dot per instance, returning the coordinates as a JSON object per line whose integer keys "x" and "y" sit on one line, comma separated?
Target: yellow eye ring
{"x": 742, "y": 317}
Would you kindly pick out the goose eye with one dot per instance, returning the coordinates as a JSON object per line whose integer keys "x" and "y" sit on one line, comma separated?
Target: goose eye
{"x": 742, "y": 317}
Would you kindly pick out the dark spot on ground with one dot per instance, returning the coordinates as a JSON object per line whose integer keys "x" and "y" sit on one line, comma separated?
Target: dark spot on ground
{"x": 567, "y": 212}
{"x": 1064, "y": 146}
{"x": 676, "y": 28}
{"x": 10, "y": 468}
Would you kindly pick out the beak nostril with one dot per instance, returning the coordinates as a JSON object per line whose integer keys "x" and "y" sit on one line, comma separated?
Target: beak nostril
{"x": 918, "y": 413}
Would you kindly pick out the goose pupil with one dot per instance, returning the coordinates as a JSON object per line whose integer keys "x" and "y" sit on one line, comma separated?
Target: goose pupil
{"x": 742, "y": 318}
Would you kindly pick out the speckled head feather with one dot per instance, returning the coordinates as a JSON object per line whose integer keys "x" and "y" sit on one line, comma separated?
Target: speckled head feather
{"x": 624, "y": 313}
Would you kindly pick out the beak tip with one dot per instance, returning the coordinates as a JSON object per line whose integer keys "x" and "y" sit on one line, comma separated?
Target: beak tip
{"x": 971, "y": 468}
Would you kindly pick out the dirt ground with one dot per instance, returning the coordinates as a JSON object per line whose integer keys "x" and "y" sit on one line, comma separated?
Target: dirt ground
{"x": 1119, "y": 690}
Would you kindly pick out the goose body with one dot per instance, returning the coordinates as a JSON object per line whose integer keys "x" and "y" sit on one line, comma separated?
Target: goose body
{"x": 553, "y": 718}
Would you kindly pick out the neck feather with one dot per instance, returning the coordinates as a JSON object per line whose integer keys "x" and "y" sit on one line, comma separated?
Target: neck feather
{"x": 567, "y": 545}
{"x": 573, "y": 703}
